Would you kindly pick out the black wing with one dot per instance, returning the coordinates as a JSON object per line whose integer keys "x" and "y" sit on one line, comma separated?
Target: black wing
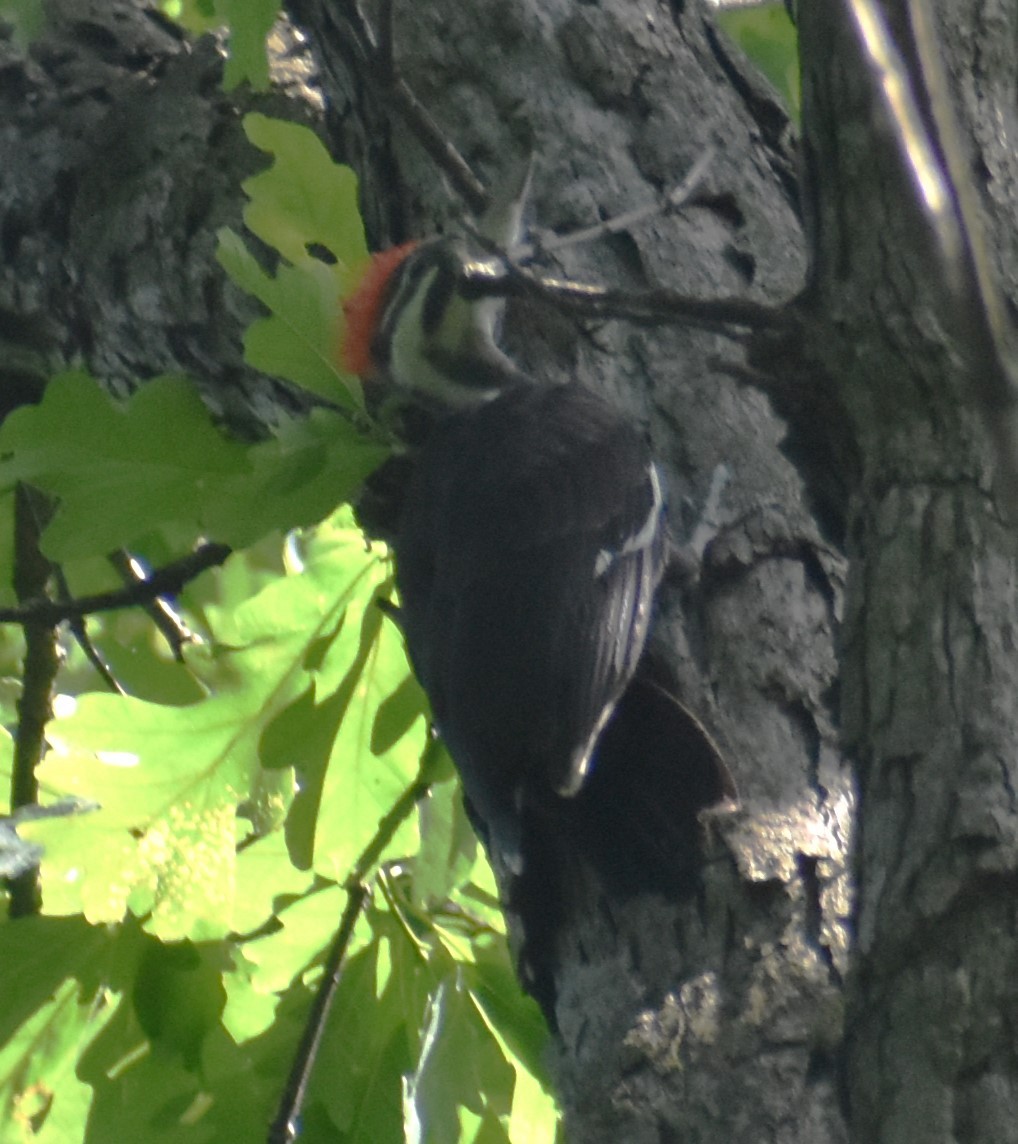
{"x": 528, "y": 553}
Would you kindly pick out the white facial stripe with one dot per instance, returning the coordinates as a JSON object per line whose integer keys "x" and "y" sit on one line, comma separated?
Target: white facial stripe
{"x": 419, "y": 358}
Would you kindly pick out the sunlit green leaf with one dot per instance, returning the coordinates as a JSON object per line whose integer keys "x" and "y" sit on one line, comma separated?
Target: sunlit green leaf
{"x": 304, "y": 199}
{"x": 306, "y": 926}
{"x": 171, "y": 781}
{"x": 298, "y": 339}
{"x": 264, "y": 874}
{"x": 449, "y": 846}
{"x": 303, "y": 205}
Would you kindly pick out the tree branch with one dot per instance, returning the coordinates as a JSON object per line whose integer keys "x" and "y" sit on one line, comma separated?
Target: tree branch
{"x": 285, "y": 1127}
{"x": 166, "y": 581}
{"x": 166, "y": 619}
{"x": 503, "y": 277}
{"x": 397, "y": 92}
{"x": 84, "y": 640}
{"x": 31, "y": 574}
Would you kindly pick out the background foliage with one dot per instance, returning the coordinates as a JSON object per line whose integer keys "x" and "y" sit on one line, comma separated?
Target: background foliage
{"x": 162, "y": 991}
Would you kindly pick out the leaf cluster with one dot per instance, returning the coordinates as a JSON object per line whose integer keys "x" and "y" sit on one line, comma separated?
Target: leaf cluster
{"x": 161, "y": 991}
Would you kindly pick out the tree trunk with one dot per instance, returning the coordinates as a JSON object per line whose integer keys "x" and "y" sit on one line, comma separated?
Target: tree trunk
{"x": 929, "y": 674}
{"x": 713, "y": 1018}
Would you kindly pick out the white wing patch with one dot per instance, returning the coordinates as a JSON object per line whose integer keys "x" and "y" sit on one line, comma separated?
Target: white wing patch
{"x": 644, "y": 536}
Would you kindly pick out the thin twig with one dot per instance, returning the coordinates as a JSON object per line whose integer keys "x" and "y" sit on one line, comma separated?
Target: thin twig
{"x": 285, "y": 1128}
{"x": 503, "y": 277}
{"x": 385, "y": 77}
{"x": 76, "y": 625}
{"x": 166, "y": 581}
{"x": 673, "y": 201}
{"x": 31, "y": 574}
{"x": 170, "y": 624}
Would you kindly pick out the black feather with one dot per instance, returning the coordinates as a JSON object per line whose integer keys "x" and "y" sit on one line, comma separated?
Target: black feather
{"x": 525, "y": 600}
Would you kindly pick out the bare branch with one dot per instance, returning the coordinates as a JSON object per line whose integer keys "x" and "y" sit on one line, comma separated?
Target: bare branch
{"x": 420, "y": 121}
{"x": 504, "y": 277}
{"x": 77, "y": 627}
{"x": 31, "y": 575}
{"x": 285, "y": 1126}
{"x": 176, "y": 633}
{"x": 166, "y": 581}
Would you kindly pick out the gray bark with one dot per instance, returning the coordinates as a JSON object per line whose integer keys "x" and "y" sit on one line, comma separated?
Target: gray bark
{"x": 714, "y": 1019}
{"x": 929, "y": 674}
{"x": 121, "y": 157}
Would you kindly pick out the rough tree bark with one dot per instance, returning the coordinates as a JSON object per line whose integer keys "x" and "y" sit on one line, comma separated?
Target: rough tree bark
{"x": 929, "y": 674}
{"x": 715, "y": 1018}
{"x": 718, "y": 1019}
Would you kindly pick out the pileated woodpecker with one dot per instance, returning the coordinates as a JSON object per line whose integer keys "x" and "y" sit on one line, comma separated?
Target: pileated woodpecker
{"x": 529, "y": 544}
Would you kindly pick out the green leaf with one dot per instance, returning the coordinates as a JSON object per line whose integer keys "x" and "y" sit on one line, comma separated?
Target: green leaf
{"x": 449, "y": 847}
{"x": 39, "y": 1088}
{"x": 535, "y": 1116}
{"x": 121, "y": 470}
{"x": 295, "y": 479}
{"x": 68, "y": 975}
{"x": 39, "y": 953}
{"x": 298, "y": 340}
{"x": 196, "y": 16}
{"x": 513, "y": 1017}
{"x": 143, "y": 1092}
{"x": 264, "y": 876}
{"x": 767, "y": 35}
{"x": 461, "y": 1080}
{"x": 118, "y": 469}
{"x": 305, "y": 928}
{"x": 345, "y": 787}
{"x": 364, "y": 1052}
{"x": 171, "y": 781}
{"x": 250, "y": 23}
{"x": 303, "y": 203}
{"x": 178, "y": 996}
{"x": 397, "y": 713}
{"x": 6, "y": 763}
{"x": 304, "y": 199}
{"x": 8, "y": 596}
{"x": 28, "y": 18}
